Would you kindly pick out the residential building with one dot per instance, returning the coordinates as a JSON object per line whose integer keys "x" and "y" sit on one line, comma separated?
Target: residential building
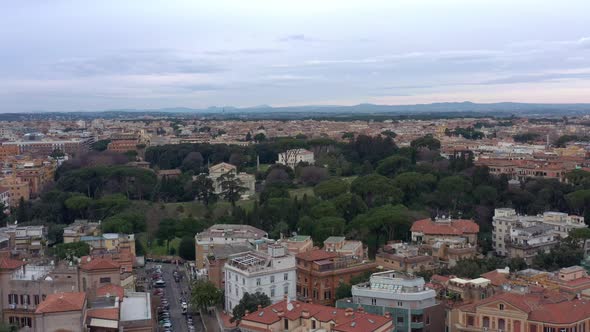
{"x": 221, "y": 235}
{"x": 296, "y": 316}
{"x": 404, "y": 297}
{"x": 343, "y": 247}
{"x": 26, "y": 241}
{"x": 17, "y": 189}
{"x": 445, "y": 229}
{"x": 37, "y": 174}
{"x": 80, "y": 228}
{"x": 246, "y": 180}
{"x": 273, "y": 274}
{"x": 403, "y": 257}
{"x": 5, "y": 198}
{"x": 528, "y": 310}
{"x": 514, "y": 235}
{"x": 60, "y": 312}
{"x": 295, "y": 156}
{"x": 44, "y": 148}
{"x": 216, "y": 259}
{"x": 297, "y": 244}
{"x": 319, "y": 273}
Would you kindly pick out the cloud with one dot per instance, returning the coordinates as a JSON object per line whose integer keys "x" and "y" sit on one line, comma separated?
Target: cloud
{"x": 295, "y": 38}
{"x": 135, "y": 63}
{"x": 584, "y": 42}
{"x": 535, "y": 78}
{"x": 245, "y": 51}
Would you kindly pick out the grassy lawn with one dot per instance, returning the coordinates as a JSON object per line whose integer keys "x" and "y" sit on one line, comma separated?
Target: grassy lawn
{"x": 156, "y": 249}
{"x": 299, "y": 192}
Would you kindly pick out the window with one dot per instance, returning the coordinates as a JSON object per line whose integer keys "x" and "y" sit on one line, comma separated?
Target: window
{"x": 27, "y": 299}
{"x": 12, "y": 299}
{"x": 501, "y": 306}
{"x": 236, "y": 278}
{"x": 286, "y": 276}
{"x": 501, "y": 324}
{"x": 427, "y": 320}
{"x": 286, "y": 324}
{"x": 400, "y": 320}
{"x": 272, "y": 279}
{"x": 286, "y": 289}
{"x": 36, "y": 299}
{"x": 272, "y": 292}
{"x": 313, "y": 326}
{"x": 243, "y": 281}
{"x": 26, "y": 321}
{"x": 470, "y": 320}
{"x": 327, "y": 295}
{"x": 105, "y": 280}
{"x": 486, "y": 322}
{"x": 257, "y": 281}
{"x": 400, "y": 304}
{"x": 374, "y": 301}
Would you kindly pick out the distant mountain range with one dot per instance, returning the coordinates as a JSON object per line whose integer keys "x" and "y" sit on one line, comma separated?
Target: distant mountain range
{"x": 361, "y": 111}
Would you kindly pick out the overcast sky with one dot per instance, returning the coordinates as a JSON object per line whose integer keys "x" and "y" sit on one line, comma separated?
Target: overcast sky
{"x": 94, "y": 55}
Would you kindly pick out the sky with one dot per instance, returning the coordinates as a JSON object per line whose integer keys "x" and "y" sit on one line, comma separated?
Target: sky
{"x": 64, "y": 55}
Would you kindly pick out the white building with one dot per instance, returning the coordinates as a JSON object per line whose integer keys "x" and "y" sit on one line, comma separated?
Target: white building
{"x": 247, "y": 181}
{"x": 514, "y": 235}
{"x": 295, "y": 156}
{"x": 273, "y": 274}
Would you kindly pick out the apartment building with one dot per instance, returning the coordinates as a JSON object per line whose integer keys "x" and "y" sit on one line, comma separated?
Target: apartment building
{"x": 272, "y": 273}
{"x": 343, "y": 247}
{"x": 445, "y": 230}
{"x": 404, "y": 257}
{"x": 528, "y": 310}
{"x": 216, "y": 259}
{"x": 80, "y": 228}
{"x": 36, "y": 174}
{"x": 297, "y": 244}
{"x": 295, "y": 156}
{"x": 26, "y": 241}
{"x": 17, "y": 189}
{"x": 221, "y": 235}
{"x": 514, "y": 235}
{"x": 5, "y": 198}
{"x": 44, "y": 148}
{"x": 320, "y": 272}
{"x": 296, "y": 316}
{"x": 404, "y": 297}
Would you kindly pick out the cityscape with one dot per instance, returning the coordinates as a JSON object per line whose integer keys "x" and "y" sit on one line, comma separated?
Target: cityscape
{"x": 304, "y": 167}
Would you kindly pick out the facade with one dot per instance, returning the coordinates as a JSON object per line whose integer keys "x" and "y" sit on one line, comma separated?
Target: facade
{"x": 61, "y": 312}
{"x": 44, "y": 148}
{"x": 224, "y": 234}
{"x": 445, "y": 229}
{"x": 298, "y": 244}
{"x": 247, "y": 181}
{"x": 296, "y": 316}
{"x": 37, "y": 175}
{"x": 5, "y": 197}
{"x": 412, "y": 306}
{"x": 343, "y": 247}
{"x": 273, "y": 274}
{"x": 403, "y": 257}
{"x": 319, "y": 273}
{"x": 295, "y": 156}
{"x": 528, "y": 311}
{"x": 524, "y": 236}
{"x": 216, "y": 259}
{"x": 17, "y": 189}
{"x": 26, "y": 241}
{"x": 78, "y": 229}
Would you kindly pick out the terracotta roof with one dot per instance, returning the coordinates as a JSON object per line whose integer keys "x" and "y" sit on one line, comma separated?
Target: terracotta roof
{"x": 455, "y": 227}
{"x": 88, "y": 263}
{"x": 104, "y": 313}
{"x": 496, "y": 278}
{"x": 440, "y": 279}
{"x": 62, "y": 302}
{"x": 10, "y": 264}
{"x": 112, "y": 290}
{"x": 316, "y": 255}
{"x": 345, "y": 321}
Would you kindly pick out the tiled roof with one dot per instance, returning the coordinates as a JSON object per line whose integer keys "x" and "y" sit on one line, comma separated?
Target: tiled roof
{"x": 62, "y": 302}
{"x": 90, "y": 264}
{"x": 455, "y": 227}
{"x": 496, "y": 278}
{"x": 111, "y": 290}
{"x": 345, "y": 321}
{"x": 10, "y": 264}
{"x": 316, "y": 255}
{"x": 104, "y": 313}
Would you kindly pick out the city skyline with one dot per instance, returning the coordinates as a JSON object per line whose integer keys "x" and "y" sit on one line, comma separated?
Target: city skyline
{"x": 157, "y": 54}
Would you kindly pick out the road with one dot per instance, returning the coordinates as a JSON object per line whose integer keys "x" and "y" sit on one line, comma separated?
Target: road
{"x": 174, "y": 294}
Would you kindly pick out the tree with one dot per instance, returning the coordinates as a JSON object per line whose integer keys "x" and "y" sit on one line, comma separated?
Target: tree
{"x": 427, "y": 141}
{"x": 278, "y": 175}
{"x": 192, "y": 162}
{"x": 389, "y": 133}
{"x": 343, "y": 291}
{"x": 70, "y": 251}
{"x": 326, "y": 227}
{"x": 203, "y": 187}
{"x": 231, "y": 187}
{"x": 260, "y": 137}
{"x": 376, "y": 190}
{"x": 350, "y": 205}
{"x": 413, "y": 184}
{"x": 526, "y": 137}
{"x": 4, "y": 211}
{"x": 248, "y": 137}
{"x": 204, "y": 294}
{"x": 21, "y": 212}
{"x": 80, "y": 204}
{"x": 564, "y": 254}
{"x": 57, "y": 154}
{"x": 453, "y": 191}
{"x": 101, "y": 145}
{"x": 250, "y": 302}
{"x": 186, "y": 249}
{"x": 331, "y": 188}
{"x": 166, "y": 231}
{"x": 393, "y": 165}
{"x": 312, "y": 175}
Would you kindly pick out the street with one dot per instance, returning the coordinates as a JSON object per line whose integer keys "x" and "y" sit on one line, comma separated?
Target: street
{"x": 174, "y": 294}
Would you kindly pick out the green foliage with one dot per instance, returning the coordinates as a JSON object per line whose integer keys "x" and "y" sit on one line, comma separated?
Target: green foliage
{"x": 204, "y": 294}
{"x": 414, "y": 184}
{"x": 326, "y": 227}
{"x": 331, "y": 188}
{"x": 186, "y": 249}
{"x": 393, "y": 165}
{"x": 70, "y": 251}
{"x": 467, "y": 133}
{"x": 349, "y": 205}
{"x": 231, "y": 187}
{"x": 376, "y": 190}
{"x": 564, "y": 139}
{"x": 100, "y": 145}
{"x": 453, "y": 191}
{"x": 343, "y": 291}
{"x": 249, "y": 302}
{"x": 564, "y": 254}
{"x": 204, "y": 191}
{"x": 427, "y": 141}
{"x": 128, "y": 222}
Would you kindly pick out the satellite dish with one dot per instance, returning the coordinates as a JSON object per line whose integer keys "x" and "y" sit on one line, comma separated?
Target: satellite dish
{"x": 289, "y": 306}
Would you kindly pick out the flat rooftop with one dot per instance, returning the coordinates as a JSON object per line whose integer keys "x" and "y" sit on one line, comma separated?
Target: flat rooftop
{"x": 136, "y": 306}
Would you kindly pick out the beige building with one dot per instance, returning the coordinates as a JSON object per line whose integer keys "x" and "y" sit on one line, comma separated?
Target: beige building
{"x": 61, "y": 312}
{"x": 247, "y": 181}
{"x": 17, "y": 189}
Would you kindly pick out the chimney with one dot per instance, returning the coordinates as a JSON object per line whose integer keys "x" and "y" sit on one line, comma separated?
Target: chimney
{"x": 387, "y": 315}
{"x": 285, "y": 297}
{"x": 259, "y": 306}
{"x": 348, "y": 312}
{"x": 305, "y": 313}
{"x": 246, "y": 312}
{"x": 360, "y": 309}
{"x": 280, "y": 313}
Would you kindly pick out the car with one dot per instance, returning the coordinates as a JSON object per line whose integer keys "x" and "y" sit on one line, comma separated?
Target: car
{"x": 167, "y": 325}
{"x": 160, "y": 283}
